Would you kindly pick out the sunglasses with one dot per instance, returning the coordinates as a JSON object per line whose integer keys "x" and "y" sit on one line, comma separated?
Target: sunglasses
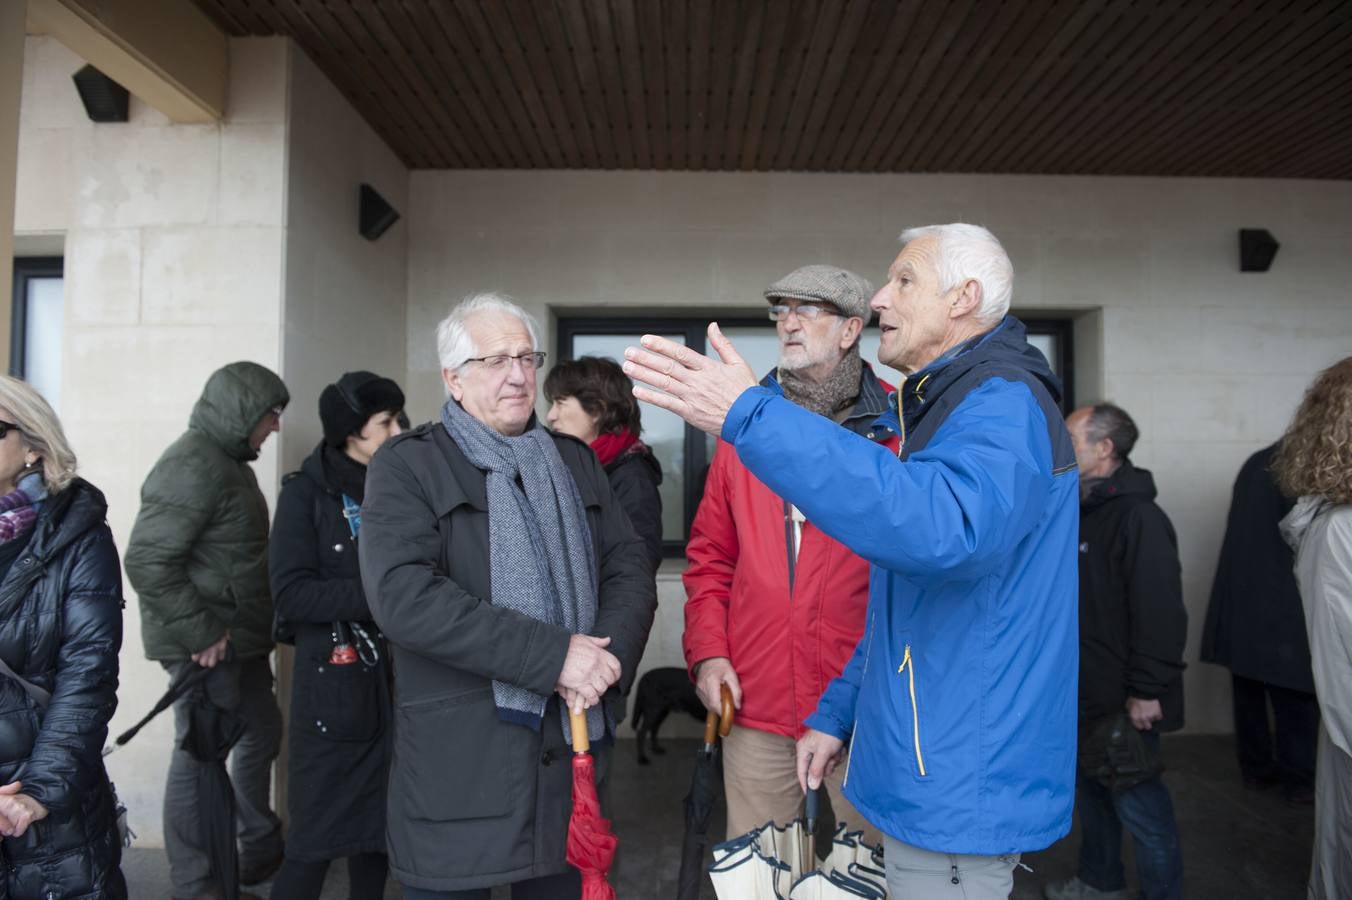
{"x": 6, "y": 428}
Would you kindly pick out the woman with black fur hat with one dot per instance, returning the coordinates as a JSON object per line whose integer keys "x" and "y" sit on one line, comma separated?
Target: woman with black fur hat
{"x": 340, "y": 733}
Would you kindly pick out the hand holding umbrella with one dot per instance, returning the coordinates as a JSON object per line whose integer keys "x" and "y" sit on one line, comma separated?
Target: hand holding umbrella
{"x": 591, "y": 843}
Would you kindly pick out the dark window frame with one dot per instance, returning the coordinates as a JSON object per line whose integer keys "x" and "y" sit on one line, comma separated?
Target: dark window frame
{"x": 26, "y": 269}
{"x": 692, "y": 326}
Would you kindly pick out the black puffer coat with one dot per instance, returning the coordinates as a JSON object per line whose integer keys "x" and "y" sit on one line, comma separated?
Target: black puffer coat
{"x": 61, "y": 628}
{"x": 475, "y": 801}
{"x": 634, "y": 476}
{"x": 340, "y": 715}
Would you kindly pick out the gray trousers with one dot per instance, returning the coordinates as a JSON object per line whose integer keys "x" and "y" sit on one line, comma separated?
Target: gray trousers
{"x": 244, "y": 686}
{"x": 916, "y": 874}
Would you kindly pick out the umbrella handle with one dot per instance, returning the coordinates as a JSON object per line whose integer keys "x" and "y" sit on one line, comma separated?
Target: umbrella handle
{"x": 578, "y": 725}
{"x": 722, "y": 723}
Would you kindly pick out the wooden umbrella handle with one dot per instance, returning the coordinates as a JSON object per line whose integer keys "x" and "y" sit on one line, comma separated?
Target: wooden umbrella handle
{"x": 578, "y": 723}
{"x": 720, "y": 722}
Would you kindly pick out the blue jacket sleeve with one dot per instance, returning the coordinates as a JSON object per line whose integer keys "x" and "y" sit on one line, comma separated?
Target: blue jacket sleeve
{"x": 953, "y": 510}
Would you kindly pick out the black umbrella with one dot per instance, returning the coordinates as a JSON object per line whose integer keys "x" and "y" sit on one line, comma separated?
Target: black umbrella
{"x": 212, "y": 731}
{"x": 705, "y": 786}
{"x": 186, "y": 680}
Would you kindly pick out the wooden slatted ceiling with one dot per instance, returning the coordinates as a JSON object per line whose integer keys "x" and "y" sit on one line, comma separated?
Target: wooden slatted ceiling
{"x": 1246, "y": 88}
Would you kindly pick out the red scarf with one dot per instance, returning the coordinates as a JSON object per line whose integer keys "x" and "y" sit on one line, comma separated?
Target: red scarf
{"x": 608, "y": 447}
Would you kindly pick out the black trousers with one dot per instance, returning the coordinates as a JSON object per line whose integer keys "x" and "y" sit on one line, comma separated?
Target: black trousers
{"x": 1296, "y": 716}
{"x": 305, "y": 880}
{"x": 564, "y": 886}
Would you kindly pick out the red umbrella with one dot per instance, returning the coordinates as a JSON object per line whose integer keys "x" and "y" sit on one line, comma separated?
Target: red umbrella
{"x": 591, "y": 843}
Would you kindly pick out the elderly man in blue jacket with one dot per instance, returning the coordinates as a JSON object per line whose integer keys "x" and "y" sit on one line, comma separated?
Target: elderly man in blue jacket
{"x": 959, "y": 702}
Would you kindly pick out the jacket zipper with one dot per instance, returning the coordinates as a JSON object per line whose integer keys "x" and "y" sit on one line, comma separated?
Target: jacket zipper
{"x": 849, "y": 751}
{"x": 908, "y": 666}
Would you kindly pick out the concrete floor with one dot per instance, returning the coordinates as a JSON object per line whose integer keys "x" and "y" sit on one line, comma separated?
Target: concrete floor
{"x": 1237, "y": 844}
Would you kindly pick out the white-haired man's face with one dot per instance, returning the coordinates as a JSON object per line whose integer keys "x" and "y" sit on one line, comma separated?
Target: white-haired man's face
{"x": 502, "y": 398}
{"x": 919, "y": 321}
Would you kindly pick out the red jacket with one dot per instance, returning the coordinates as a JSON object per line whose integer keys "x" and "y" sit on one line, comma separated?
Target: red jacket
{"x": 788, "y": 626}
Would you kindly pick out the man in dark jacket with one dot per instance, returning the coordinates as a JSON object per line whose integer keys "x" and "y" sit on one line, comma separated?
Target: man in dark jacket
{"x": 1132, "y": 629}
{"x": 1255, "y": 627}
{"x": 502, "y": 571}
{"x": 198, "y": 559}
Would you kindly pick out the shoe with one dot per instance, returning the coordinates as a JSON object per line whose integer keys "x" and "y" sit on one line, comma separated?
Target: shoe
{"x": 1075, "y": 889}
{"x": 257, "y": 874}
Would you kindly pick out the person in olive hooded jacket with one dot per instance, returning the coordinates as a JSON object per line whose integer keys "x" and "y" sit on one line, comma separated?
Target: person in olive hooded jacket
{"x": 198, "y": 559}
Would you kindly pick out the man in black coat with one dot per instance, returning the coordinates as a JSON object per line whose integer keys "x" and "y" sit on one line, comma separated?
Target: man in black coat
{"x": 511, "y": 587}
{"x": 1133, "y": 626}
{"x": 1255, "y": 627}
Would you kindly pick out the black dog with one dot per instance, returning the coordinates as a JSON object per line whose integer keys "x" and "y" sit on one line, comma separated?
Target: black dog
{"x": 659, "y": 692}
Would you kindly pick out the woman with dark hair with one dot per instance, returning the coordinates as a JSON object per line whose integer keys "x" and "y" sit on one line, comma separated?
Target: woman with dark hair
{"x": 1314, "y": 463}
{"x": 340, "y": 696}
{"x": 593, "y": 400}
{"x": 60, "y": 630}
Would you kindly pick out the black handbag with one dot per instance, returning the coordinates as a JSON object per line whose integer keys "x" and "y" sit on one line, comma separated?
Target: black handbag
{"x": 1116, "y": 755}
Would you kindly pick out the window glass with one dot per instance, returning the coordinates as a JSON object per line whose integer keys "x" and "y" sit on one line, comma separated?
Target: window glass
{"x": 42, "y": 337}
{"x": 663, "y": 431}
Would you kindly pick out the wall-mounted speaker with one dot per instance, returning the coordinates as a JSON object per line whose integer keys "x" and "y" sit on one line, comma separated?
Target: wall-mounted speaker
{"x": 375, "y": 214}
{"x": 104, "y": 99}
{"x": 1257, "y": 246}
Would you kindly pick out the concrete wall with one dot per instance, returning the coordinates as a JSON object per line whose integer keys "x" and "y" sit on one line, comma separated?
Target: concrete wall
{"x": 345, "y": 295}
{"x": 173, "y": 237}
{"x": 1210, "y": 361}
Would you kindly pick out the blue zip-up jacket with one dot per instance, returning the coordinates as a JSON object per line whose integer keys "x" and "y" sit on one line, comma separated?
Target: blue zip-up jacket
{"x": 960, "y": 700}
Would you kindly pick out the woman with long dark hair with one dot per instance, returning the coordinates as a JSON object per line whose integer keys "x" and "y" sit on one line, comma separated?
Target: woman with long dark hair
{"x": 60, "y": 631}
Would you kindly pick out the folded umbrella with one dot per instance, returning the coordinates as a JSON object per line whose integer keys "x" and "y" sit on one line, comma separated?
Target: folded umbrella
{"x": 186, "y": 680}
{"x": 705, "y": 786}
{"x": 212, "y": 731}
{"x": 591, "y": 843}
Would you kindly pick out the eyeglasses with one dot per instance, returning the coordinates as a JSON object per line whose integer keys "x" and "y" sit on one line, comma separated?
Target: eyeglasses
{"x": 809, "y": 311}
{"x": 529, "y": 361}
{"x": 6, "y": 428}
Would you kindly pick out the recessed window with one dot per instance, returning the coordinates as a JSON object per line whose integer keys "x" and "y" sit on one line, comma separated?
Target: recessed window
{"x": 36, "y": 324}
{"x": 684, "y": 451}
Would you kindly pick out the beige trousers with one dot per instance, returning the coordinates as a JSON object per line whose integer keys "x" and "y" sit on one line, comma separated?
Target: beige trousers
{"x": 760, "y": 779}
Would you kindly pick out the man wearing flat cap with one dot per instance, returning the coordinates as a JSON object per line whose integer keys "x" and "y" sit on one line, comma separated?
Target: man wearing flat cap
{"x": 775, "y": 606}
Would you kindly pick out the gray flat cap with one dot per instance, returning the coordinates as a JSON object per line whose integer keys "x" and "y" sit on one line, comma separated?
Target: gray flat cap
{"x": 826, "y": 284}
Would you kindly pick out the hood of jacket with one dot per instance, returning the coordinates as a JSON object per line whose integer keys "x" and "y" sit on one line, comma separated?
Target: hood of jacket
{"x": 1127, "y": 481}
{"x": 1004, "y": 346}
{"x": 234, "y": 401}
{"x": 1300, "y": 518}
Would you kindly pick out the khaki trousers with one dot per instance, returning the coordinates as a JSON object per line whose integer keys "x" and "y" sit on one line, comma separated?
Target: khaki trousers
{"x": 760, "y": 779}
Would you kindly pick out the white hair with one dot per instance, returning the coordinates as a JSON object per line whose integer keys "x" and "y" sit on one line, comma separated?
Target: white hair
{"x": 971, "y": 252}
{"x": 455, "y": 345}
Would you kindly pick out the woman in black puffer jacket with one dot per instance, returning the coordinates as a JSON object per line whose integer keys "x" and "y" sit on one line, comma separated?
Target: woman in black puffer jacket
{"x": 60, "y": 631}
{"x": 340, "y": 738}
{"x": 593, "y": 400}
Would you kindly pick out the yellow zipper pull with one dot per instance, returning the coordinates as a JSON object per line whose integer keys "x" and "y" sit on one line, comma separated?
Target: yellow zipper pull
{"x": 906, "y": 661}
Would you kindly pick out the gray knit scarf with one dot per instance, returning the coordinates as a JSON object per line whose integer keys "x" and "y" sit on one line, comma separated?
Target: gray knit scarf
{"x": 834, "y": 396}
{"x": 540, "y": 555}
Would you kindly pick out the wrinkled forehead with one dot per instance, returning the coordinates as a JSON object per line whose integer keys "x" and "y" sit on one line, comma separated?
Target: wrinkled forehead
{"x": 497, "y": 332}
{"x": 919, "y": 257}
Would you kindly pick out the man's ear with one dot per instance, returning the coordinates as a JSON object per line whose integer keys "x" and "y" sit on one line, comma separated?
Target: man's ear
{"x": 451, "y": 378}
{"x": 967, "y": 300}
{"x": 849, "y": 332}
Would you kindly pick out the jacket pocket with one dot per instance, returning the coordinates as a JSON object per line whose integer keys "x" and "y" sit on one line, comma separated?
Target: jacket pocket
{"x": 452, "y": 758}
{"x": 341, "y": 703}
{"x": 907, "y": 670}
